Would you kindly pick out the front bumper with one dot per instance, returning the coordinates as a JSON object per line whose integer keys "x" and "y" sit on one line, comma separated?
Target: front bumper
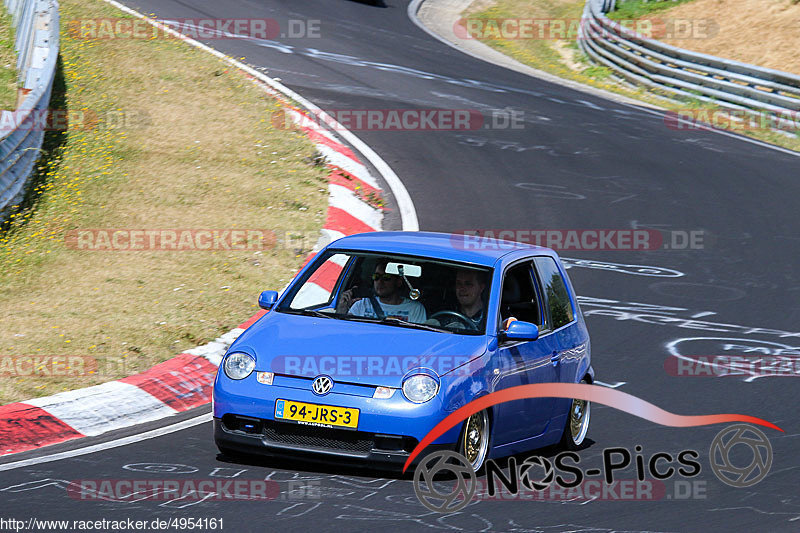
{"x": 247, "y": 435}
{"x": 394, "y": 416}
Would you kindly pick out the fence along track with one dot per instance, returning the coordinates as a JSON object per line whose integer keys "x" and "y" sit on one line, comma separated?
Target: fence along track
{"x": 648, "y": 62}
{"x": 22, "y": 131}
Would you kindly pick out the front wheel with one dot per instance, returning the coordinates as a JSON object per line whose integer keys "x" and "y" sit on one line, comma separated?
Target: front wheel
{"x": 474, "y": 441}
{"x": 577, "y": 424}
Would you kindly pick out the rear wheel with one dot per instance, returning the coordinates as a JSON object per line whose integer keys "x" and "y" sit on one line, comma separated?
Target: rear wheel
{"x": 577, "y": 427}
{"x": 474, "y": 441}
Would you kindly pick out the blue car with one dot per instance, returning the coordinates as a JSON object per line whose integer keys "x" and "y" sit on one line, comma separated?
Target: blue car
{"x": 382, "y": 335}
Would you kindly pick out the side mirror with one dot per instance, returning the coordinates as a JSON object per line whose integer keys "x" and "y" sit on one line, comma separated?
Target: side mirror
{"x": 267, "y": 299}
{"x": 521, "y": 331}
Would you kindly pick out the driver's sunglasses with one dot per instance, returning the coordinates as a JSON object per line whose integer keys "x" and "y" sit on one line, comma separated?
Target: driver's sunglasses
{"x": 384, "y": 277}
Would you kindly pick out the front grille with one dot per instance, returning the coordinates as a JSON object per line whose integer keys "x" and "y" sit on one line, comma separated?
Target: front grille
{"x": 310, "y": 437}
{"x": 318, "y": 438}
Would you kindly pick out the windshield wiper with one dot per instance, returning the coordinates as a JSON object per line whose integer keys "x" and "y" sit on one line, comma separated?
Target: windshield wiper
{"x": 394, "y": 321}
{"x": 311, "y": 312}
{"x": 407, "y": 324}
{"x": 357, "y": 318}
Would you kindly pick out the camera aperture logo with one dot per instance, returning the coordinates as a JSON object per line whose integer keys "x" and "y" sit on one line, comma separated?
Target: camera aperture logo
{"x": 451, "y": 464}
{"x": 723, "y": 464}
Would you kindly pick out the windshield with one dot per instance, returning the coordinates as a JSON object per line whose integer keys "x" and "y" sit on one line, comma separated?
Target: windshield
{"x": 401, "y": 291}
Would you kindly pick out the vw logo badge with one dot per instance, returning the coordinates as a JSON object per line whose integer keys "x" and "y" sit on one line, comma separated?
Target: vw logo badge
{"x": 322, "y": 385}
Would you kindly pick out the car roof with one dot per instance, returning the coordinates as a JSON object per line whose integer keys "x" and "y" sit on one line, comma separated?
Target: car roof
{"x": 449, "y": 246}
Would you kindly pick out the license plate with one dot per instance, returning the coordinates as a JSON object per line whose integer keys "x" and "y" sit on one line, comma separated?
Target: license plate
{"x": 310, "y": 414}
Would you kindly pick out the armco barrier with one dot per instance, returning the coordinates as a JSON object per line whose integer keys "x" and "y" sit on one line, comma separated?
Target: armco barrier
{"x": 648, "y": 62}
{"x": 37, "y": 27}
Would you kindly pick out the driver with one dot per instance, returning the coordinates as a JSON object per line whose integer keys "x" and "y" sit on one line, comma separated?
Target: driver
{"x": 470, "y": 285}
{"x": 389, "y": 291}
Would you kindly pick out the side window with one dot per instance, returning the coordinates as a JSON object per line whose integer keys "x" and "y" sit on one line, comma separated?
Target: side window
{"x": 519, "y": 295}
{"x": 555, "y": 292}
{"x": 317, "y": 289}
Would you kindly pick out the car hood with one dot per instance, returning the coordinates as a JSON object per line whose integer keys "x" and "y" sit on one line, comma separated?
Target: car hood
{"x": 355, "y": 352}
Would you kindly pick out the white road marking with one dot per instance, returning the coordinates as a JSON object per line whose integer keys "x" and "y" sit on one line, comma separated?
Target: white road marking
{"x": 213, "y": 351}
{"x": 345, "y": 200}
{"x": 634, "y": 270}
{"x": 326, "y": 237}
{"x": 591, "y": 105}
{"x": 345, "y": 163}
{"x": 616, "y": 385}
{"x": 778, "y": 359}
{"x": 202, "y": 419}
{"x": 664, "y": 316}
{"x": 102, "y": 408}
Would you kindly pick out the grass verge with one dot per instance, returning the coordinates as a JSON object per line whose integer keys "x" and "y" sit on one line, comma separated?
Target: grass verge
{"x": 168, "y": 137}
{"x": 8, "y": 62}
{"x": 563, "y": 58}
{"x": 634, "y": 9}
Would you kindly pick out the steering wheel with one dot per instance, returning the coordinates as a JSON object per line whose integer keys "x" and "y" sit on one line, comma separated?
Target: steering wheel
{"x": 469, "y": 324}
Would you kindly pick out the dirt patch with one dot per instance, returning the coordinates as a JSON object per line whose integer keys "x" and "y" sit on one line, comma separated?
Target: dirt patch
{"x": 760, "y": 32}
{"x": 567, "y": 54}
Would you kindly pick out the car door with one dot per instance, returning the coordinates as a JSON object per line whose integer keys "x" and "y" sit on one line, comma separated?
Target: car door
{"x": 522, "y": 363}
{"x": 561, "y": 325}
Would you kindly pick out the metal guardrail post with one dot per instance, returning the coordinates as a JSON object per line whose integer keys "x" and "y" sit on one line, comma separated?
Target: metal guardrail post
{"x": 22, "y": 131}
{"x": 645, "y": 61}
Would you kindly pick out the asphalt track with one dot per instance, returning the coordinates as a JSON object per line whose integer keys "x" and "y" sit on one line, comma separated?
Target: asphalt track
{"x": 579, "y": 162}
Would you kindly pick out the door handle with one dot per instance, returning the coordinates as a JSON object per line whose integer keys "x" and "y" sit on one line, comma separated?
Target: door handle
{"x": 555, "y": 358}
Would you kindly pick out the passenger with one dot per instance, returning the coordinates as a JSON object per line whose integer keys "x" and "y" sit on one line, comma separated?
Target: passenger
{"x": 389, "y": 289}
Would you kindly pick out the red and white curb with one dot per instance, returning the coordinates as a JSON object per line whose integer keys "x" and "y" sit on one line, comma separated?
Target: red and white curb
{"x": 185, "y": 382}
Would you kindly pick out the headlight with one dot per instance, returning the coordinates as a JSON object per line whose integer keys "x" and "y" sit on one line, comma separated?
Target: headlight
{"x": 239, "y": 365}
{"x": 420, "y": 388}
